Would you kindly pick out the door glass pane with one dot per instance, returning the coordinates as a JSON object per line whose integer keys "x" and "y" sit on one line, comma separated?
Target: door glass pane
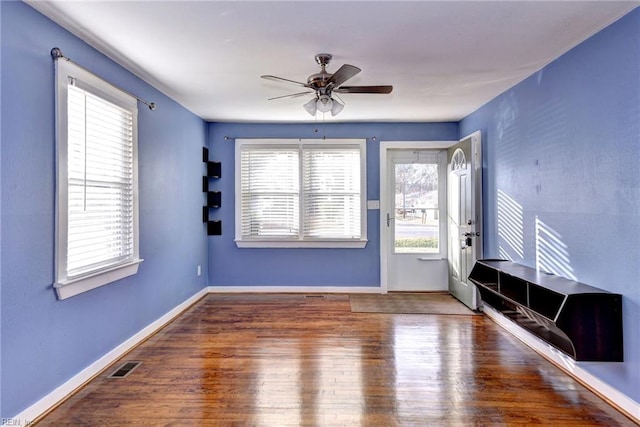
{"x": 416, "y": 212}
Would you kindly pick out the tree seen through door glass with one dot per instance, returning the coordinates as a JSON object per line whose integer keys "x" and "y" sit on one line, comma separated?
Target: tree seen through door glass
{"x": 416, "y": 208}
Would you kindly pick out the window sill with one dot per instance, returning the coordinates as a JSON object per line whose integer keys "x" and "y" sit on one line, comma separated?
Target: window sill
{"x": 68, "y": 288}
{"x": 301, "y": 244}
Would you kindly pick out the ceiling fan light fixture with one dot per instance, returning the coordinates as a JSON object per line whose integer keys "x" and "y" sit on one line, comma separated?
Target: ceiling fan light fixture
{"x": 324, "y": 84}
{"x": 311, "y": 107}
{"x": 324, "y": 103}
{"x": 336, "y": 108}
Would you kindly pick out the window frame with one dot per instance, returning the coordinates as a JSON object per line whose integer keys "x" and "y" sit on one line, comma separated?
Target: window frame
{"x": 300, "y": 242}
{"x": 64, "y": 285}
{"x": 441, "y": 162}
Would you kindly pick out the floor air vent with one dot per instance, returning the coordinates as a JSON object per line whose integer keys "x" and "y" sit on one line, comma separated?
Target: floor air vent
{"x": 125, "y": 369}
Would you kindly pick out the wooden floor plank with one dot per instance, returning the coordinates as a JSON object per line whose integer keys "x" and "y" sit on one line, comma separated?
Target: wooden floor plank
{"x": 287, "y": 360}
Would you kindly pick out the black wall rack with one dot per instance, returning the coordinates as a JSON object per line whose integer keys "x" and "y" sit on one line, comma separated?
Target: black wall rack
{"x": 214, "y": 198}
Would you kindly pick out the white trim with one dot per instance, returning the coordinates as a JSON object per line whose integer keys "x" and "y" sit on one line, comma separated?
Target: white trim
{"x": 67, "y": 287}
{"x": 77, "y": 286}
{"x": 619, "y": 400}
{"x": 443, "y": 231}
{"x": 384, "y": 198}
{"x": 296, "y": 289}
{"x": 87, "y": 374}
{"x": 301, "y": 243}
{"x": 420, "y": 145}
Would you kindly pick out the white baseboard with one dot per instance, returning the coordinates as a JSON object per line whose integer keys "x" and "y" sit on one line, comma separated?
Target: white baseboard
{"x": 621, "y": 401}
{"x": 59, "y": 394}
{"x": 296, "y": 289}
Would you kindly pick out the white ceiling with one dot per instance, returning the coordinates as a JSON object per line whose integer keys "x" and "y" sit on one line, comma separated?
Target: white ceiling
{"x": 445, "y": 59}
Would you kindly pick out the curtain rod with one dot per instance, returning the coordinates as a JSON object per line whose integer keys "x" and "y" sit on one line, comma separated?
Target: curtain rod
{"x": 56, "y": 54}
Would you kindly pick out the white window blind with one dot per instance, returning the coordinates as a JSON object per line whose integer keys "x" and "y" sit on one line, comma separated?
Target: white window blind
{"x": 332, "y": 193}
{"x": 300, "y": 192}
{"x": 96, "y": 184}
{"x": 270, "y": 192}
{"x": 100, "y": 183}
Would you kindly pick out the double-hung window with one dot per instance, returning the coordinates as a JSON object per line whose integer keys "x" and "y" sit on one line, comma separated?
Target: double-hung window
{"x": 300, "y": 193}
{"x": 96, "y": 189}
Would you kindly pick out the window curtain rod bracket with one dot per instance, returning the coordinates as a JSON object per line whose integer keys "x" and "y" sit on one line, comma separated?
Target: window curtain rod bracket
{"x": 56, "y": 54}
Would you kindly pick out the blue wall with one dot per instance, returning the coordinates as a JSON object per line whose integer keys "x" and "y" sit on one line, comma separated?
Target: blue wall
{"x": 45, "y": 341}
{"x": 561, "y": 152}
{"x": 230, "y": 266}
{"x": 561, "y": 177}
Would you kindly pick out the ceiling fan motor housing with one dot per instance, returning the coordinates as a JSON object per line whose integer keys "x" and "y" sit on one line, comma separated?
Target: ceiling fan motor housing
{"x": 318, "y": 81}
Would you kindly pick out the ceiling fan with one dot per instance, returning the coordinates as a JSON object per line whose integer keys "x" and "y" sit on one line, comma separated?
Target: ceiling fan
{"x": 324, "y": 85}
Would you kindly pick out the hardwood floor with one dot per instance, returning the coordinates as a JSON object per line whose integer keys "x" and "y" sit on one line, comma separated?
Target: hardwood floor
{"x": 291, "y": 360}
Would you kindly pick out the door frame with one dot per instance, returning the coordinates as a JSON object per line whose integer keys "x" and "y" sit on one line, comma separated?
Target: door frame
{"x": 385, "y": 202}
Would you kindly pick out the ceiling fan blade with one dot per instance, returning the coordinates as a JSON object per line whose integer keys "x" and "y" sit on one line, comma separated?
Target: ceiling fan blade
{"x": 280, "y": 79}
{"x": 293, "y": 95}
{"x": 343, "y": 74}
{"x": 364, "y": 89}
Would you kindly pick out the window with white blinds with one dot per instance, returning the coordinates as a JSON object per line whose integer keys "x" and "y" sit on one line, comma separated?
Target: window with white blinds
{"x": 97, "y": 182}
{"x": 332, "y": 205}
{"x": 270, "y": 192}
{"x": 300, "y": 193}
{"x": 100, "y": 183}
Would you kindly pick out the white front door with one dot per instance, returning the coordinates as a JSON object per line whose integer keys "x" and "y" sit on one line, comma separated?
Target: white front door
{"x": 413, "y": 222}
{"x": 464, "y": 217}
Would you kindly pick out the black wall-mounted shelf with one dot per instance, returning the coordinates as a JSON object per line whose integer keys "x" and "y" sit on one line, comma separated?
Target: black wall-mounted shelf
{"x": 580, "y": 320}
{"x": 214, "y": 169}
{"x": 214, "y": 198}
{"x": 214, "y": 228}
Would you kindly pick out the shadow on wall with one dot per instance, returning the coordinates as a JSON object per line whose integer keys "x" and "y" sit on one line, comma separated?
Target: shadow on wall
{"x": 552, "y": 255}
{"x": 510, "y": 228}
